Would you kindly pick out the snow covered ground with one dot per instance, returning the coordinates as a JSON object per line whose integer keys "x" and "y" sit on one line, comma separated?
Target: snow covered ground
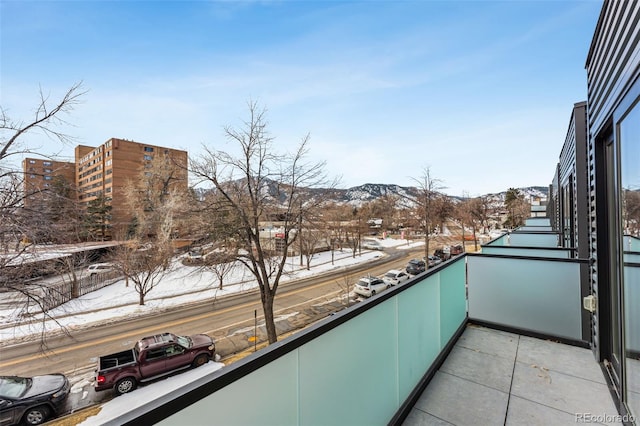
{"x": 181, "y": 285}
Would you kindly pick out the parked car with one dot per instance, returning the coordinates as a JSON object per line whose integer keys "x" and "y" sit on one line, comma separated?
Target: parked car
{"x": 152, "y": 357}
{"x": 395, "y": 277}
{"x": 371, "y": 245}
{"x": 100, "y": 268}
{"x": 369, "y": 286}
{"x": 456, "y": 250}
{"x": 443, "y": 253}
{"x": 434, "y": 260}
{"x": 415, "y": 266}
{"x": 196, "y": 255}
{"x": 32, "y": 400}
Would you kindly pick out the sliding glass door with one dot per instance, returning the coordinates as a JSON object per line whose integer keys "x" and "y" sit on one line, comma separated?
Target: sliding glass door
{"x": 629, "y": 137}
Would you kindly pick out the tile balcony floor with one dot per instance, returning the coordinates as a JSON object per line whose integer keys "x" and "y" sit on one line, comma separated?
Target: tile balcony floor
{"x": 497, "y": 378}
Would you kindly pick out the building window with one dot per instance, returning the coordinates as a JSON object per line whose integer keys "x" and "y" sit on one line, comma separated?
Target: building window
{"x": 629, "y": 132}
{"x": 47, "y": 170}
{"x": 32, "y": 161}
{"x": 148, "y": 149}
{"x": 108, "y": 162}
{"x": 47, "y": 163}
{"x": 148, "y": 157}
{"x": 47, "y": 177}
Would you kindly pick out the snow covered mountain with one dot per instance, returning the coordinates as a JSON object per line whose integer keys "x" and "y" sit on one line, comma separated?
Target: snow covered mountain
{"x": 358, "y": 195}
{"x": 362, "y": 194}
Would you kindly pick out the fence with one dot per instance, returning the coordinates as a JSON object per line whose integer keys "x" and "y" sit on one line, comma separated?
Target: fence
{"x": 55, "y": 294}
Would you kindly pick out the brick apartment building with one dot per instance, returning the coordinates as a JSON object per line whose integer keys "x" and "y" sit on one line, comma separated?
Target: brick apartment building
{"x": 41, "y": 175}
{"x": 103, "y": 170}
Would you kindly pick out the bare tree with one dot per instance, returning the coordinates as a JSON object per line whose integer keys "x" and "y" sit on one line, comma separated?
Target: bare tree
{"x": 333, "y": 228}
{"x": 20, "y": 230}
{"x": 518, "y": 208}
{"x": 443, "y": 210}
{"x": 475, "y": 215}
{"x": 345, "y": 283}
{"x": 310, "y": 238}
{"x": 66, "y": 268}
{"x": 221, "y": 263}
{"x": 426, "y": 200}
{"x": 385, "y": 208}
{"x": 143, "y": 265}
{"x": 257, "y": 185}
{"x": 631, "y": 211}
{"x": 157, "y": 202}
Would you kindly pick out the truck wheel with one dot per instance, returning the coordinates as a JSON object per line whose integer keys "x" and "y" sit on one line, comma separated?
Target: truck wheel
{"x": 201, "y": 359}
{"x": 36, "y": 415}
{"x": 125, "y": 385}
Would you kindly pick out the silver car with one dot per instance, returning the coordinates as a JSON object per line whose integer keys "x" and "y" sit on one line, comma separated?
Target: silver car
{"x": 395, "y": 277}
{"x": 369, "y": 286}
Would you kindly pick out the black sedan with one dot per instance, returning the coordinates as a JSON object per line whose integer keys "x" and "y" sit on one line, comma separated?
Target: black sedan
{"x": 32, "y": 400}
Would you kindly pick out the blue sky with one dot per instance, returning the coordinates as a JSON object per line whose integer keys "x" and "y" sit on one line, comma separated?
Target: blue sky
{"x": 480, "y": 92}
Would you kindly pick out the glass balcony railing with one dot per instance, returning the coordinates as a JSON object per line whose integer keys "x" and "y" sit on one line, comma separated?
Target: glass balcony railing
{"x": 632, "y": 302}
{"x": 538, "y": 221}
{"x": 555, "y": 252}
{"x": 356, "y": 367}
{"x": 368, "y": 363}
{"x": 526, "y": 239}
{"x": 631, "y": 243}
{"x": 537, "y": 295}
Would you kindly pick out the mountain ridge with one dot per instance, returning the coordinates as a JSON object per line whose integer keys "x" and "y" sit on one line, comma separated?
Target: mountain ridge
{"x": 367, "y": 192}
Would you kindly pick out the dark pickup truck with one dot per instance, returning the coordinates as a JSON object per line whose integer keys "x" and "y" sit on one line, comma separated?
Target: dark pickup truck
{"x": 152, "y": 357}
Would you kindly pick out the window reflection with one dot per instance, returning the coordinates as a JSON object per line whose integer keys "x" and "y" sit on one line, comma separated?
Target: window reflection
{"x": 630, "y": 174}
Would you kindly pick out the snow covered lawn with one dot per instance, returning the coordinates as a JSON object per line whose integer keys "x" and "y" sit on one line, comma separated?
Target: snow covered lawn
{"x": 180, "y": 285}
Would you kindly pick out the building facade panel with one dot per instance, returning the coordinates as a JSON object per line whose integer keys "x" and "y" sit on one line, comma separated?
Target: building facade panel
{"x": 613, "y": 67}
{"x": 107, "y": 170}
{"x": 42, "y": 175}
{"x": 103, "y": 171}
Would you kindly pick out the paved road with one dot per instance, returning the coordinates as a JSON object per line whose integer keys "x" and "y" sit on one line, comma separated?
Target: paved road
{"x": 75, "y": 355}
{"x": 227, "y": 320}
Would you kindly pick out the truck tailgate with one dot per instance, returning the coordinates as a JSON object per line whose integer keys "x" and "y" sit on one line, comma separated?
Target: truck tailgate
{"x": 119, "y": 359}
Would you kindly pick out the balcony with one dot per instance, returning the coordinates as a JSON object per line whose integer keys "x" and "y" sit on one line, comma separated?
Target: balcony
{"x": 494, "y": 377}
{"x": 498, "y": 337}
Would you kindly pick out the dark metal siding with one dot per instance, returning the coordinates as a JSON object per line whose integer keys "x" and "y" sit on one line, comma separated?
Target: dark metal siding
{"x": 613, "y": 60}
{"x": 612, "y": 66}
{"x": 572, "y": 177}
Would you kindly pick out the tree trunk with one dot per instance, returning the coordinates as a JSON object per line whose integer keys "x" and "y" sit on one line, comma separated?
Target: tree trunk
{"x": 75, "y": 288}
{"x": 269, "y": 322}
{"x": 475, "y": 239}
{"x": 141, "y": 303}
